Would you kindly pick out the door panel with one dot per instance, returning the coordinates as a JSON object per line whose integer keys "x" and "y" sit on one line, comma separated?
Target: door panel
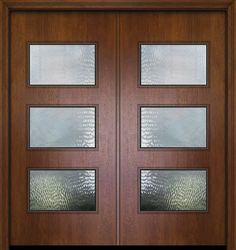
{"x": 53, "y": 129}
{"x": 163, "y": 147}
{"x": 64, "y": 71}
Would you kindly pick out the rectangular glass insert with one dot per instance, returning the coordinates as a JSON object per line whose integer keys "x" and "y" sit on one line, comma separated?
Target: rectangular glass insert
{"x": 55, "y": 64}
{"x": 67, "y": 127}
{"x": 173, "y": 64}
{"x": 62, "y": 190}
{"x": 173, "y": 190}
{"x": 173, "y": 127}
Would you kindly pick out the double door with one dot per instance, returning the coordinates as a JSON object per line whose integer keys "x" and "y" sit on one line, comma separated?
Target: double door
{"x": 117, "y": 128}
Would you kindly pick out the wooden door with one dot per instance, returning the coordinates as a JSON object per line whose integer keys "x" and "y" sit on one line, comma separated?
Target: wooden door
{"x": 153, "y": 100}
{"x": 144, "y": 95}
{"x": 40, "y": 96}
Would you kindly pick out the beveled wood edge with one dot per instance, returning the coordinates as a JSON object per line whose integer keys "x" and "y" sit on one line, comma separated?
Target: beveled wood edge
{"x": 117, "y": 5}
{"x": 1, "y": 128}
{"x": 4, "y": 121}
{"x": 118, "y": 130}
{"x": 231, "y": 128}
{"x": 7, "y": 5}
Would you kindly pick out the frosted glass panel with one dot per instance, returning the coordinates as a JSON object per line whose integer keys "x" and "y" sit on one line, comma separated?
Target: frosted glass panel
{"x": 62, "y": 64}
{"x": 173, "y": 64}
{"x": 62, "y": 127}
{"x": 173, "y": 127}
{"x": 173, "y": 190}
{"x": 62, "y": 190}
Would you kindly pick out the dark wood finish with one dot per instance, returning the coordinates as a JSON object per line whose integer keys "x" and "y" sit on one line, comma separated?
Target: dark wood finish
{"x": 228, "y": 6}
{"x": 232, "y": 184}
{"x": 1, "y": 133}
{"x": 63, "y": 228}
{"x": 120, "y": 4}
{"x": 4, "y": 92}
{"x": 159, "y": 248}
{"x": 231, "y": 129}
{"x": 117, "y": 129}
{"x": 187, "y": 228}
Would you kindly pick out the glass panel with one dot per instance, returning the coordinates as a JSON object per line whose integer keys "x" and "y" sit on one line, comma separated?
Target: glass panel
{"x": 173, "y": 127}
{"x": 62, "y": 190}
{"x": 173, "y": 64}
{"x": 62, "y": 64}
{"x": 62, "y": 127}
{"x": 173, "y": 190}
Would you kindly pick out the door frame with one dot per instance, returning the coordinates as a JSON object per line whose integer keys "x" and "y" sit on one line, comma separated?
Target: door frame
{"x": 228, "y": 6}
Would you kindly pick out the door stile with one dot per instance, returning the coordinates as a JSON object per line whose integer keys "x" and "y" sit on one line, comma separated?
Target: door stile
{"x": 5, "y": 129}
{"x": 117, "y": 128}
{"x": 231, "y": 128}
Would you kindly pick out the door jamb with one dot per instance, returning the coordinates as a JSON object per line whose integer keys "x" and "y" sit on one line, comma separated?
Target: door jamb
{"x": 7, "y": 6}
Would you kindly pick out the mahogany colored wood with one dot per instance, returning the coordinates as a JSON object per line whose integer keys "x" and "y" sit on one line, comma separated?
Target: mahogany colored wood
{"x": 228, "y": 6}
{"x": 119, "y": 5}
{"x": 172, "y": 228}
{"x": 4, "y": 121}
{"x": 231, "y": 129}
{"x": 232, "y": 135}
{"x": 67, "y": 228}
{"x": 1, "y": 129}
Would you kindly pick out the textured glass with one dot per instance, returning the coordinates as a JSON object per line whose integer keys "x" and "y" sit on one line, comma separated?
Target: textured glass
{"x": 62, "y": 127}
{"x": 62, "y": 190}
{"x": 62, "y": 64}
{"x": 173, "y": 127}
{"x": 173, "y": 64}
{"x": 173, "y": 190}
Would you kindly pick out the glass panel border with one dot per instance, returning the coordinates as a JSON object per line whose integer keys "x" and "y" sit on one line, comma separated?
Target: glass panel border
{"x": 140, "y": 106}
{"x": 60, "y": 85}
{"x": 207, "y": 85}
{"x": 140, "y": 169}
{"x": 62, "y": 211}
{"x": 95, "y": 106}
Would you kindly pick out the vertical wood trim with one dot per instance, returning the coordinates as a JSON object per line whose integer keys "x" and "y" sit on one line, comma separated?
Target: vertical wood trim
{"x": 231, "y": 145}
{"x": 117, "y": 128}
{"x": 233, "y": 219}
{"x": 1, "y": 128}
{"x": 4, "y": 177}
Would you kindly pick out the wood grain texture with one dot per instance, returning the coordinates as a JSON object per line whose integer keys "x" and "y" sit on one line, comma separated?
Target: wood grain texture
{"x": 4, "y": 92}
{"x": 98, "y": 5}
{"x": 172, "y": 228}
{"x": 117, "y": 129}
{"x": 64, "y": 228}
{"x": 231, "y": 234}
{"x": 125, "y": 1}
{"x": 230, "y": 132}
{"x": 231, "y": 188}
{"x": 1, "y": 128}
{"x": 233, "y": 180}
{"x": 118, "y": 5}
